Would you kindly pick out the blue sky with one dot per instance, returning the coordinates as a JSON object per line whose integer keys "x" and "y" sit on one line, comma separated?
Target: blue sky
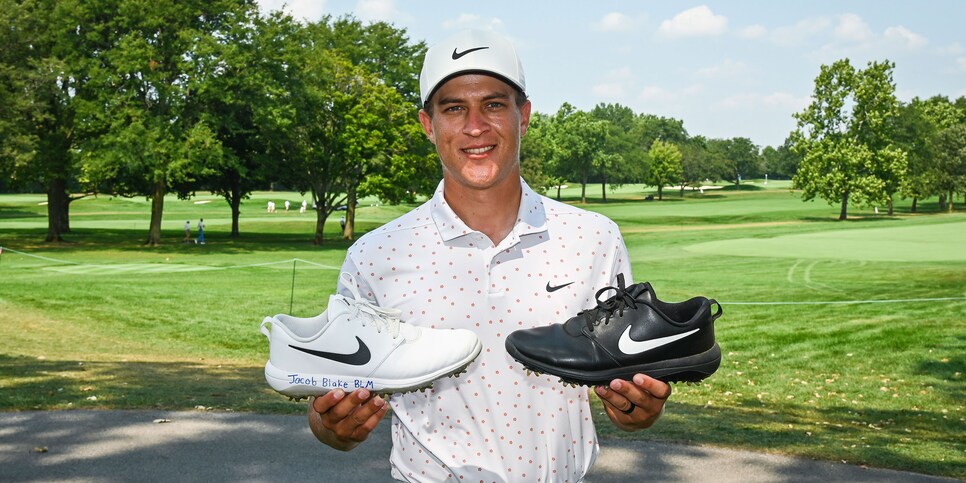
{"x": 727, "y": 69}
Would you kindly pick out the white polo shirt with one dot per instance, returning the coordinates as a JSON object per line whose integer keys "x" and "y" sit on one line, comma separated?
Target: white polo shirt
{"x": 494, "y": 422}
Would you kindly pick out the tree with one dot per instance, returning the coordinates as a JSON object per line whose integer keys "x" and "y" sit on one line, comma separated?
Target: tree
{"x": 874, "y": 122}
{"x": 341, "y": 132}
{"x": 781, "y": 162}
{"x": 698, "y": 163}
{"x": 535, "y": 154}
{"x": 950, "y": 167}
{"x": 626, "y": 157}
{"x": 346, "y": 125}
{"x": 235, "y": 96}
{"x": 651, "y": 127}
{"x": 844, "y": 137}
{"x": 916, "y": 133}
{"x": 740, "y": 160}
{"x": 665, "y": 165}
{"x": 380, "y": 48}
{"x": 577, "y": 141}
{"x": 17, "y": 140}
{"x": 920, "y": 124}
{"x": 146, "y": 133}
{"x": 377, "y": 127}
{"x": 42, "y": 73}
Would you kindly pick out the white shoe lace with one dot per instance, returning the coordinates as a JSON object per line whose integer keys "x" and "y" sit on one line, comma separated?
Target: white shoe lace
{"x": 384, "y": 318}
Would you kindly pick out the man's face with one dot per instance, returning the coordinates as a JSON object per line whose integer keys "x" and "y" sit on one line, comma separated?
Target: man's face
{"x": 476, "y": 127}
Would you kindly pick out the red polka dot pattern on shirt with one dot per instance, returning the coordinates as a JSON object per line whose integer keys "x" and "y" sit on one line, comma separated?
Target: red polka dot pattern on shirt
{"x": 494, "y": 422}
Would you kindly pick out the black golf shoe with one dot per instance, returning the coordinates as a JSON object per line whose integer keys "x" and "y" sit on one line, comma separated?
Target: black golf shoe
{"x": 631, "y": 332}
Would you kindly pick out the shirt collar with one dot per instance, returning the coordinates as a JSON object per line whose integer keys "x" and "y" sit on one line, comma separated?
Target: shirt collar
{"x": 531, "y": 217}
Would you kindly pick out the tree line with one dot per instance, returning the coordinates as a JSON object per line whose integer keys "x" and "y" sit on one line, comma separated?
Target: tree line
{"x": 148, "y": 98}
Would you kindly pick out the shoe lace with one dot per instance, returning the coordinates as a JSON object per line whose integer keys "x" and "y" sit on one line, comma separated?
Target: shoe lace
{"x": 383, "y": 318}
{"x": 621, "y": 300}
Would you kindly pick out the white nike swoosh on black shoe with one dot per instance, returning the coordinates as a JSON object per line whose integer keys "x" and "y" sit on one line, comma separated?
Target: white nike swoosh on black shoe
{"x": 630, "y": 332}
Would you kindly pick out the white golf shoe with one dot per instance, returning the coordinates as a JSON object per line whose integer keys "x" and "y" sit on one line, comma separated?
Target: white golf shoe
{"x": 354, "y": 344}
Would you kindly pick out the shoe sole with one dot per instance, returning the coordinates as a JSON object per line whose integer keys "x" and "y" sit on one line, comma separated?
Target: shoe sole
{"x": 689, "y": 369}
{"x": 298, "y": 385}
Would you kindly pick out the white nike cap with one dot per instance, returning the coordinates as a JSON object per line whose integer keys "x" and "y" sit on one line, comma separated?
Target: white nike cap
{"x": 467, "y": 52}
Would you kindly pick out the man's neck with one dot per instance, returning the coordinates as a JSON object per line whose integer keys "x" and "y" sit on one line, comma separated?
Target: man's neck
{"x": 492, "y": 211}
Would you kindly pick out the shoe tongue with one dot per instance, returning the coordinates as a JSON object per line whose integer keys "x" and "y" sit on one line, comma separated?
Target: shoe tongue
{"x": 338, "y": 305}
{"x": 642, "y": 292}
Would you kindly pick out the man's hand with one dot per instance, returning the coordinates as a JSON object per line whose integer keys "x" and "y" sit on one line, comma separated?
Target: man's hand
{"x": 635, "y": 404}
{"x": 343, "y": 420}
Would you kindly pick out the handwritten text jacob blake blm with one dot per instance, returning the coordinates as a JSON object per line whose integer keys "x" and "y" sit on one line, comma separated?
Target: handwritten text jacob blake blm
{"x": 298, "y": 379}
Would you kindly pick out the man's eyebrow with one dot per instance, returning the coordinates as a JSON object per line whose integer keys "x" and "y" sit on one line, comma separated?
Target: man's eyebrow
{"x": 488, "y": 97}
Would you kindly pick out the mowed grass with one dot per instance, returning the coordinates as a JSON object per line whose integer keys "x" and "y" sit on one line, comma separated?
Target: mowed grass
{"x": 843, "y": 341}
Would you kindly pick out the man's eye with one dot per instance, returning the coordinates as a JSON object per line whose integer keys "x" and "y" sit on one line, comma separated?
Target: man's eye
{"x": 495, "y": 105}
{"x": 453, "y": 108}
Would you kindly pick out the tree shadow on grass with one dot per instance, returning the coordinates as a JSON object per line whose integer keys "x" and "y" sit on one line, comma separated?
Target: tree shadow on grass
{"x": 742, "y": 187}
{"x": 94, "y": 240}
{"x": 907, "y": 439}
{"x": 879, "y": 438}
{"x": 948, "y": 372}
{"x": 11, "y": 213}
{"x": 35, "y": 384}
{"x": 850, "y": 219}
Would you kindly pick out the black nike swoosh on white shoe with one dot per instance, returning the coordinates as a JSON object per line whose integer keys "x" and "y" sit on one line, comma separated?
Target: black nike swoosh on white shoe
{"x": 457, "y": 55}
{"x": 554, "y": 288}
{"x": 360, "y": 357}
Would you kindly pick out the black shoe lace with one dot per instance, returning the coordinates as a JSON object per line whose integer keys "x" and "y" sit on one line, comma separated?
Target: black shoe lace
{"x": 616, "y": 303}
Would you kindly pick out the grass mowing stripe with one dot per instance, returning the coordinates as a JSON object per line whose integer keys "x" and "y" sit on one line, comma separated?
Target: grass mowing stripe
{"x": 926, "y": 243}
{"x": 839, "y": 302}
{"x": 80, "y": 266}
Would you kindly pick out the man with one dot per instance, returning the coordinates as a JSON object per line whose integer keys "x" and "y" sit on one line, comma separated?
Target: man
{"x": 489, "y": 254}
{"x": 201, "y": 232}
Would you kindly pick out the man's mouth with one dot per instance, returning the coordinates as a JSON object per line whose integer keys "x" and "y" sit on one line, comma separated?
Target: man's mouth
{"x": 478, "y": 150}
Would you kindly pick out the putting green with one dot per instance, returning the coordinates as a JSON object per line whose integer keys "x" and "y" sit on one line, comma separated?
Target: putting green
{"x": 920, "y": 243}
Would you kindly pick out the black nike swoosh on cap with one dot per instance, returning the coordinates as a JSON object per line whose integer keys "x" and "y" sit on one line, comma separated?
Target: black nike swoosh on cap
{"x": 457, "y": 55}
{"x": 552, "y": 288}
{"x": 358, "y": 358}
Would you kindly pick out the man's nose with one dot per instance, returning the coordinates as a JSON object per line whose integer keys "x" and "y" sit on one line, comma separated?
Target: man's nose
{"x": 476, "y": 123}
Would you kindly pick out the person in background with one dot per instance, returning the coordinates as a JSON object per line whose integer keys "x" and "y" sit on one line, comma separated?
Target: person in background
{"x": 201, "y": 232}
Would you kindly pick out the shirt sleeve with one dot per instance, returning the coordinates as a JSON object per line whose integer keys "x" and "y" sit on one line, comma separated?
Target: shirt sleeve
{"x": 622, "y": 261}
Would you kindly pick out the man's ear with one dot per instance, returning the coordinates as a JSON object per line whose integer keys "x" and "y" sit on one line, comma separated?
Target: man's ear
{"x": 525, "y": 117}
{"x": 427, "y": 123}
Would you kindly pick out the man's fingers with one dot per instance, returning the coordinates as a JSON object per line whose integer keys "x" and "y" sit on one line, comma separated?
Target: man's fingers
{"x": 655, "y": 388}
{"x": 322, "y": 404}
{"x": 362, "y": 420}
{"x": 343, "y": 420}
{"x": 343, "y": 412}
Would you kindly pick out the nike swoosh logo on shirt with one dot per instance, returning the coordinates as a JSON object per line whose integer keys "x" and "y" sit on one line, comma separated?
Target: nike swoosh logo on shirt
{"x": 630, "y": 346}
{"x": 554, "y": 288}
{"x": 358, "y": 358}
{"x": 457, "y": 55}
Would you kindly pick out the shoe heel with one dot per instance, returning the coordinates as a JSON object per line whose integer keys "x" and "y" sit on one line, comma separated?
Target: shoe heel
{"x": 695, "y": 368}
